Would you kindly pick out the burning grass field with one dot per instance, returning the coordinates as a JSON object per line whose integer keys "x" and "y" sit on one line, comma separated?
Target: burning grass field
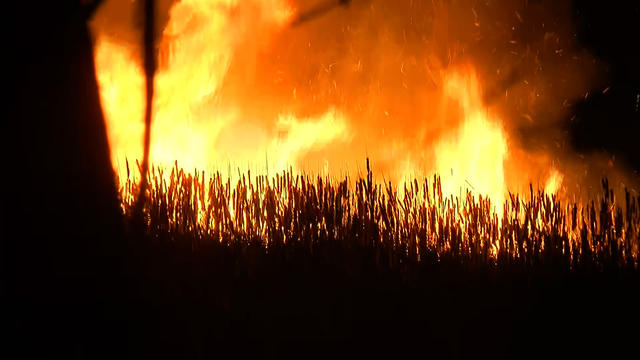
{"x": 272, "y": 266}
{"x": 401, "y": 226}
{"x": 297, "y": 265}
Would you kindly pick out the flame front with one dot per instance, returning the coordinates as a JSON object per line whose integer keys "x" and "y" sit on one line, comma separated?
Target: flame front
{"x": 473, "y": 158}
{"x": 231, "y": 91}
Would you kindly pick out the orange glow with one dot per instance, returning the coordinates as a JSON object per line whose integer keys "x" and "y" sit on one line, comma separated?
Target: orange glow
{"x": 554, "y": 181}
{"x": 473, "y": 157}
{"x": 238, "y": 87}
{"x": 194, "y": 55}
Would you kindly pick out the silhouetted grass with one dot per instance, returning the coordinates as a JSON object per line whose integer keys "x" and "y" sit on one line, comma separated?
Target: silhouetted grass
{"x": 301, "y": 266}
{"x": 402, "y": 227}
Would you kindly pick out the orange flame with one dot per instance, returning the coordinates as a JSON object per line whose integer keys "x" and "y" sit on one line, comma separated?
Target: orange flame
{"x": 473, "y": 158}
{"x": 207, "y": 116}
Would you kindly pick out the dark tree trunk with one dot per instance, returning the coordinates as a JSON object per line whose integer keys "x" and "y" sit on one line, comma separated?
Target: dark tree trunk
{"x": 62, "y": 227}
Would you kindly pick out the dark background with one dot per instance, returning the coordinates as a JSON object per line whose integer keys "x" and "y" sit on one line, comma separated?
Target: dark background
{"x": 610, "y": 121}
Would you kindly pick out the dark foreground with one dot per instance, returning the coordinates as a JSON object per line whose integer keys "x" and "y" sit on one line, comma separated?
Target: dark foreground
{"x": 316, "y": 270}
{"x": 224, "y": 301}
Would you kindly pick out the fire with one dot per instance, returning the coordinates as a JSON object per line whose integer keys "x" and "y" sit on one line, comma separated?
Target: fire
{"x": 121, "y": 82}
{"x": 473, "y": 157}
{"x": 297, "y": 136}
{"x": 195, "y": 52}
{"x": 230, "y": 93}
{"x": 554, "y": 181}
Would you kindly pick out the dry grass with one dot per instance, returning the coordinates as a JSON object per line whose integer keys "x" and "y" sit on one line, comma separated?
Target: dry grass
{"x": 399, "y": 227}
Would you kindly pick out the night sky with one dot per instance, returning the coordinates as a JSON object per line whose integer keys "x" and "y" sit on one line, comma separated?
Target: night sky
{"x": 610, "y": 120}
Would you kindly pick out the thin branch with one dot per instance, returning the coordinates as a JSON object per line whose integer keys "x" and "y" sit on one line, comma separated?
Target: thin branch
{"x": 150, "y": 69}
